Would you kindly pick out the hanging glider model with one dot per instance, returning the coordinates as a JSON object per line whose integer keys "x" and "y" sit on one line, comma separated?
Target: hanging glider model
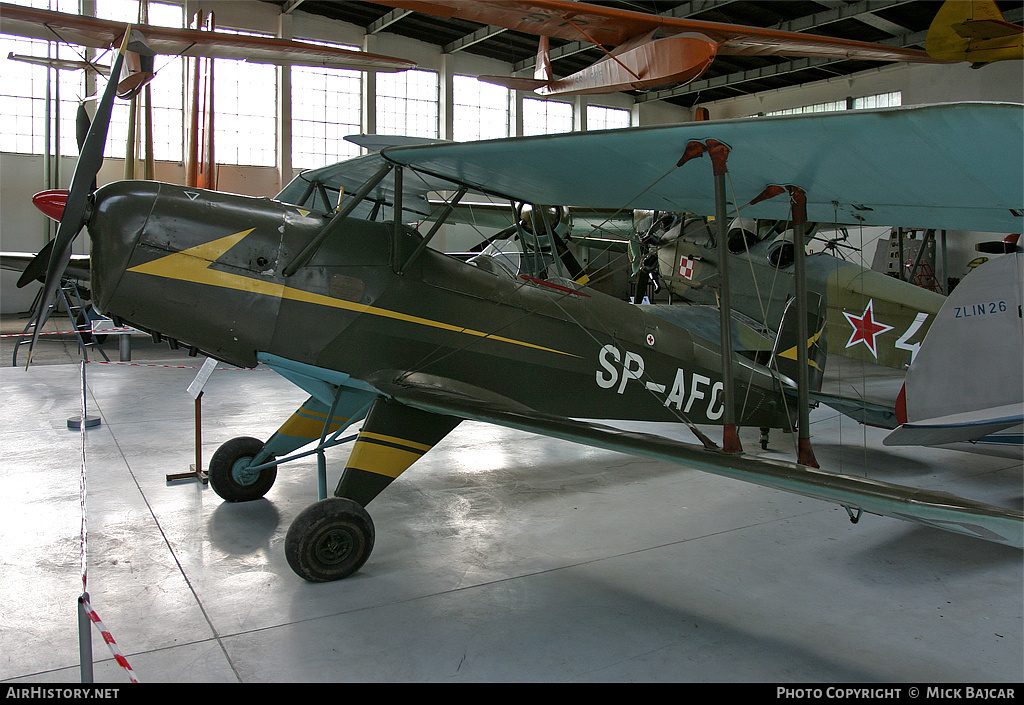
{"x": 648, "y": 50}
{"x": 379, "y": 328}
{"x": 146, "y": 41}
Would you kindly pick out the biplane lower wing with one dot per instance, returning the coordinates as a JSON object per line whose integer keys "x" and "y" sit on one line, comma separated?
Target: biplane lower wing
{"x": 850, "y": 164}
{"x": 936, "y": 509}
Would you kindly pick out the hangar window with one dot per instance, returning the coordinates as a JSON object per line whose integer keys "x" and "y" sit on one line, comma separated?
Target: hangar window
{"x": 881, "y": 100}
{"x": 827, "y": 107}
{"x": 601, "y": 118}
{"x": 326, "y": 107}
{"x": 407, "y": 103}
{"x": 245, "y": 111}
{"x": 542, "y": 117}
{"x": 23, "y": 93}
{"x": 166, "y": 90}
{"x": 480, "y": 111}
{"x": 23, "y": 97}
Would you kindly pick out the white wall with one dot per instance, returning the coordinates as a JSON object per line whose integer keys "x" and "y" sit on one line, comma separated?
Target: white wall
{"x": 919, "y": 83}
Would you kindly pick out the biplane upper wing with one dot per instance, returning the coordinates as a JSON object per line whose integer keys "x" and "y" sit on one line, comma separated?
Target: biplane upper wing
{"x": 346, "y": 177}
{"x": 948, "y": 166}
{"x": 101, "y": 34}
{"x": 936, "y": 509}
{"x": 612, "y": 26}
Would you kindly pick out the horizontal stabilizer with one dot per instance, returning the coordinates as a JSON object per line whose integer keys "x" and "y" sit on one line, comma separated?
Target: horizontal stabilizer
{"x": 936, "y": 509}
{"x": 956, "y": 428}
{"x": 865, "y": 412}
{"x": 986, "y": 29}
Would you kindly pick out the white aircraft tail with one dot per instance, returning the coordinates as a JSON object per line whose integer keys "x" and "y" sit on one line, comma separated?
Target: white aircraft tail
{"x": 967, "y": 379}
{"x": 542, "y": 70}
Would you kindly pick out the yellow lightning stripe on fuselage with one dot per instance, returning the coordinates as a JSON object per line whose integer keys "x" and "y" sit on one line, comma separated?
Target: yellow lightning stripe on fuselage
{"x": 194, "y": 265}
{"x": 791, "y": 353}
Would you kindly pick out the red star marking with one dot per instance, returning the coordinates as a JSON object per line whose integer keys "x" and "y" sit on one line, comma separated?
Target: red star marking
{"x": 865, "y": 328}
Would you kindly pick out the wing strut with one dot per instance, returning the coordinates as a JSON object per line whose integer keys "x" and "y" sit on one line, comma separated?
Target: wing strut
{"x": 719, "y": 153}
{"x": 798, "y": 209}
{"x": 314, "y": 244}
{"x": 441, "y": 219}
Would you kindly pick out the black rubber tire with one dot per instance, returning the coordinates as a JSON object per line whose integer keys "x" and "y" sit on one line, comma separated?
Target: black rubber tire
{"x": 329, "y": 540}
{"x": 227, "y": 476}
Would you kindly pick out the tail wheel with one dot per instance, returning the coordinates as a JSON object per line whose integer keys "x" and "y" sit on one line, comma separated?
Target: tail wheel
{"x": 329, "y": 540}
{"x": 229, "y": 473}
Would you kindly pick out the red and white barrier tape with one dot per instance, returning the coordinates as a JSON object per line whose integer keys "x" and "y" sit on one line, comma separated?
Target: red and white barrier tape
{"x": 108, "y": 638}
{"x": 177, "y": 367}
{"x": 72, "y": 332}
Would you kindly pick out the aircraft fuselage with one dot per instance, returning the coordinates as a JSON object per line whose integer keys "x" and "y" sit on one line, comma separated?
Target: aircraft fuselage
{"x": 205, "y": 268}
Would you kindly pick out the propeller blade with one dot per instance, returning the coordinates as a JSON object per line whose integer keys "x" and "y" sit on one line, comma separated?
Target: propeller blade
{"x": 82, "y": 125}
{"x": 36, "y": 269}
{"x": 73, "y": 219}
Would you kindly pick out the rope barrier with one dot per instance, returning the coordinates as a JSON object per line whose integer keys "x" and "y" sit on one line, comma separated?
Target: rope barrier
{"x": 73, "y": 332}
{"x": 108, "y": 638}
{"x": 83, "y": 601}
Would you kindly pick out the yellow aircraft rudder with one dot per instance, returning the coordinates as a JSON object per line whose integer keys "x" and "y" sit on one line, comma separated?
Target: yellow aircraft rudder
{"x": 975, "y": 31}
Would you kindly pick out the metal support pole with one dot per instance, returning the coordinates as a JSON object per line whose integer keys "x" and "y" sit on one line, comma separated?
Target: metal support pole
{"x": 124, "y": 347}
{"x": 396, "y": 235}
{"x": 928, "y": 236}
{"x": 198, "y": 469}
{"x": 798, "y": 201}
{"x": 730, "y": 432}
{"x": 719, "y": 153}
{"x": 943, "y": 272}
{"x": 899, "y": 245}
{"x": 84, "y": 640}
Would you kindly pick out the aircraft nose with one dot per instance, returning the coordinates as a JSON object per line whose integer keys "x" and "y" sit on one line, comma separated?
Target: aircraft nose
{"x": 119, "y": 214}
{"x": 51, "y": 203}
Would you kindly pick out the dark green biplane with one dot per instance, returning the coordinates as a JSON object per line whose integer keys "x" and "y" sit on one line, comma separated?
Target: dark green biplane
{"x": 352, "y": 305}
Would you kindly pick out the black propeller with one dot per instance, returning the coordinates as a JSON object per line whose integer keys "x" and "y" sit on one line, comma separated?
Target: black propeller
{"x": 52, "y": 203}
{"x": 75, "y": 209}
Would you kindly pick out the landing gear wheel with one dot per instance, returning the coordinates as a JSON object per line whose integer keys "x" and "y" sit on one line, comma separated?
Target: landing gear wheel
{"x": 229, "y": 472}
{"x": 329, "y": 540}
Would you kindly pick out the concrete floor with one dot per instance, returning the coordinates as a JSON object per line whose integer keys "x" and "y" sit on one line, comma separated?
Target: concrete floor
{"x": 500, "y": 556}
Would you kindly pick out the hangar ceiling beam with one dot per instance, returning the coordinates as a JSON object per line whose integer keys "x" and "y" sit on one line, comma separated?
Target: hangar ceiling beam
{"x": 471, "y": 39}
{"x": 387, "y": 20}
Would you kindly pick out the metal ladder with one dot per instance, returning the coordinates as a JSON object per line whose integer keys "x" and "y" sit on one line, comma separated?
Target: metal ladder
{"x": 70, "y": 300}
